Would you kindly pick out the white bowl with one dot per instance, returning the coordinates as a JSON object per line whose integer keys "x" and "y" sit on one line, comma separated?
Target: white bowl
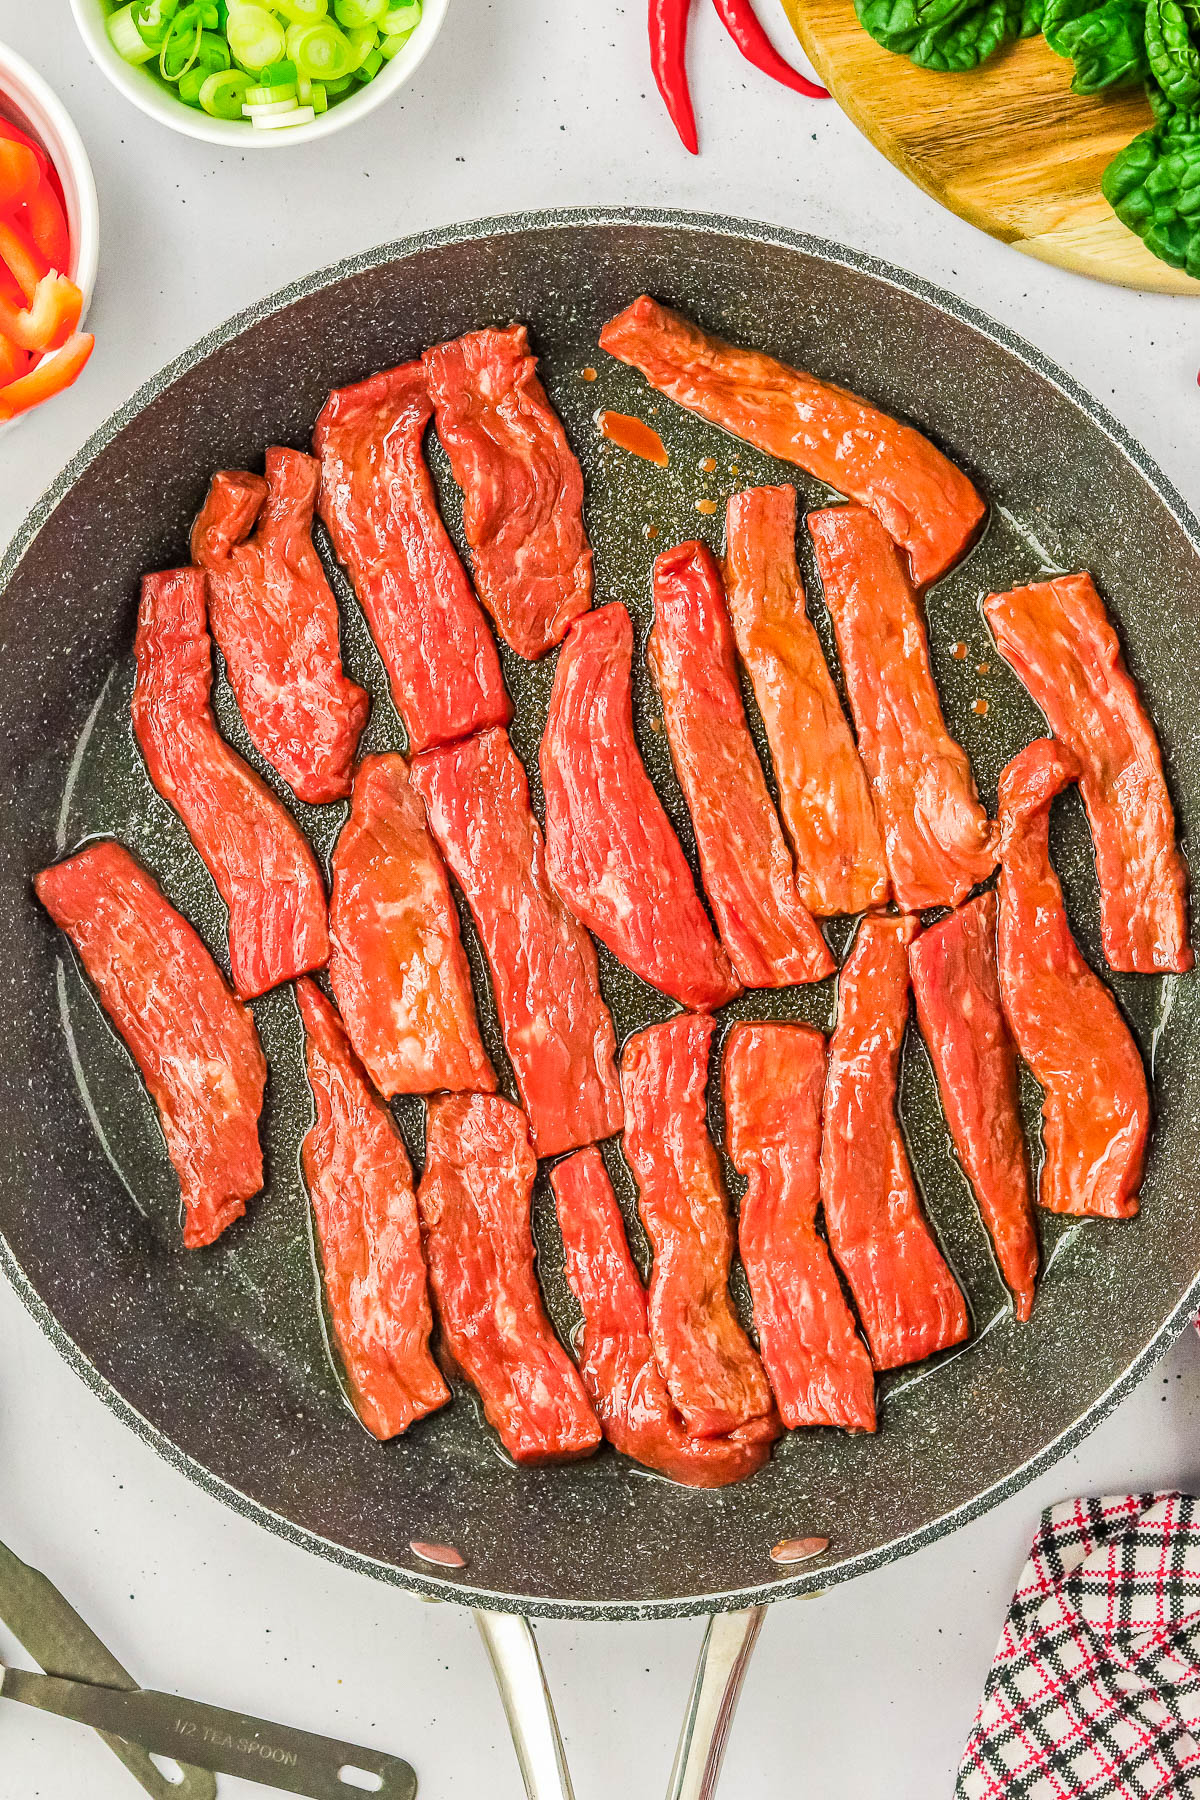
{"x": 26, "y": 100}
{"x": 148, "y": 93}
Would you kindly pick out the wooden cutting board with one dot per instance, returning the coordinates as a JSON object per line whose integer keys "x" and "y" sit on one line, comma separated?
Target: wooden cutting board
{"x": 1007, "y": 147}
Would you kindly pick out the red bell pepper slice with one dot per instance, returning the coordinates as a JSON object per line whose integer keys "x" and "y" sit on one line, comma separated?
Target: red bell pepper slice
{"x": 43, "y": 217}
{"x": 51, "y": 376}
{"x": 22, "y": 257}
{"x": 20, "y": 173}
{"x": 13, "y": 360}
{"x": 15, "y": 135}
{"x": 49, "y": 321}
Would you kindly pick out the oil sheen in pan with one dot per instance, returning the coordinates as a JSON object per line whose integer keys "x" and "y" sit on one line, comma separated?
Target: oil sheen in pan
{"x": 634, "y": 511}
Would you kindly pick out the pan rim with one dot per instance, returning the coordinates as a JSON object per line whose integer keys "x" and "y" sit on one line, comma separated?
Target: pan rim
{"x": 512, "y": 224}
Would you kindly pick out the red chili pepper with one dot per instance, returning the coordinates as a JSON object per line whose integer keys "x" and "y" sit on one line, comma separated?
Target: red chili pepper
{"x": 742, "y": 23}
{"x": 51, "y": 376}
{"x": 668, "y": 48}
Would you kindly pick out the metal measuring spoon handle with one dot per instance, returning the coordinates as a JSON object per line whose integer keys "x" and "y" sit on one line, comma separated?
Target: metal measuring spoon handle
{"x": 64, "y": 1644}
{"x": 229, "y": 1743}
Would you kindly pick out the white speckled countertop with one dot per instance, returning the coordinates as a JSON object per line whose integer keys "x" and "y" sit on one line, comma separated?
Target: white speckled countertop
{"x": 867, "y": 1691}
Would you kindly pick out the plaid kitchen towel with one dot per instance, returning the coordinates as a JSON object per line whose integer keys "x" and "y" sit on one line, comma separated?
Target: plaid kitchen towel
{"x": 1094, "y": 1691}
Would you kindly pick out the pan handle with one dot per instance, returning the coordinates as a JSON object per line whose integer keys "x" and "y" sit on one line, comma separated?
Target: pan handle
{"x": 720, "y": 1671}
{"x": 724, "y": 1657}
{"x": 517, "y": 1666}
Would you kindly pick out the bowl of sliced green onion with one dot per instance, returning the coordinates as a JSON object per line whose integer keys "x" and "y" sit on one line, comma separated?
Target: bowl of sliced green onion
{"x": 258, "y": 73}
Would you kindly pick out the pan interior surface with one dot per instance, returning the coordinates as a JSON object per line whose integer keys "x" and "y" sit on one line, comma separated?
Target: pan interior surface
{"x": 221, "y": 1357}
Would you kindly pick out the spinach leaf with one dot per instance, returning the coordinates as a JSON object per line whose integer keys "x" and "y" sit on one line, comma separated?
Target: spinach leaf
{"x": 1153, "y": 186}
{"x": 1105, "y": 39}
{"x": 968, "y": 40}
{"x": 948, "y": 34}
{"x": 899, "y": 24}
{"x": 1171, "y": 46}
{"x": 1165, "y": 111}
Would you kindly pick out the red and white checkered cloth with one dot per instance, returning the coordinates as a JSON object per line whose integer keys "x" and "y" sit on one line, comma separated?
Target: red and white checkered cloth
{"x": 1094, "y": 1692}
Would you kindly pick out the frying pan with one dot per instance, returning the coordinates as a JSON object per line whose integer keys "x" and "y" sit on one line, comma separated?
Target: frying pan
{"x": 220, "y": 1358}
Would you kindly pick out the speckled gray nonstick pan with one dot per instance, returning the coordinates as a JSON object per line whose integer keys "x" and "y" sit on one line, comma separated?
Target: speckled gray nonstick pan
{"x": 219, "y": 1357}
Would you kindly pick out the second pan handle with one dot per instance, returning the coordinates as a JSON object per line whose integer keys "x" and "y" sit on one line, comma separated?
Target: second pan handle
{"x": 517, "y": 1666}
{"x": 720, "y": 1671}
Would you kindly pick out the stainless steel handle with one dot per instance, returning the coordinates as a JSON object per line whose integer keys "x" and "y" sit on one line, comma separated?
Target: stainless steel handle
{"x": 721, "y": 1669}
{"x": 517, "y": 1666}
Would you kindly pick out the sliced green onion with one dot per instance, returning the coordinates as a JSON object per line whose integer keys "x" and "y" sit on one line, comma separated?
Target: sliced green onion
{"x": 181, "y": 46}
{"x": 405, "y": 17}
{"x": 340, "y": 86}
{"x": 255, "y": 35}
{"x": 213, "y": 53}
{"x": 354, "y": 14}
{"x": 269, "y": 119}
{"x": 316, "y": 97}
{"x": 370, "y": 67}
{"x": 190, "y": 83}
{"x": 362, "y": 40}
{"x": 302, "y": 12}
{"x": 320, "y": 51}
{"x": 392, "y": 46}
{"x": 222, "y": 94}
{"x": 271, "y": 96}
{"x": 277, "y": 74}
{"x": 126, "y": 39}
{"x": 153, "y": 19}
{"x": 254, "y": 113}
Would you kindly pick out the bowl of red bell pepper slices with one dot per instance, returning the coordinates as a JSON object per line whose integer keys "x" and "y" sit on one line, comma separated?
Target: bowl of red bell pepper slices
{"x": 49, "y": 240}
